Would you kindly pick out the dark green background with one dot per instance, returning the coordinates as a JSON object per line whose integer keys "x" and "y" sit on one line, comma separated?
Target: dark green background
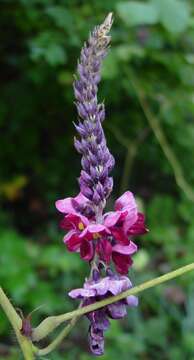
{"x": 152, "y": 47}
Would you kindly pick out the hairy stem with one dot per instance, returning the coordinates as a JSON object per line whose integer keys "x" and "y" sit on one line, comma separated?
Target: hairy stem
{"x": 50, "y": 323}
{"x": 16, "y": 322}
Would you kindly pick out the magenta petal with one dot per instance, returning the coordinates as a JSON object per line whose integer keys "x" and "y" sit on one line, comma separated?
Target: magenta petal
{"x": 94, "y": 229}
{"x": 81, "y": 199}
{"x": 127, "y": 203}
{"x": 104, "y": 249}
{"x": 65, "y": 205}
{"x": 65, "y": 224}
{"x": 125, "y": 249}
{"x": 138, "y": 228}
{"x": 81, "y": 293}
{"x": 130, "y": 220}
{"x": 122, "y": 262}
{"x": 72, "y": 240}
{"x": 69, "y": 235}
{"x": 111, "y": 218}
{"x": 120, "y": 236}
{"x": 127, "y": 200}
{"x": 76, "y": 219}
{"x": 86, "y": 250}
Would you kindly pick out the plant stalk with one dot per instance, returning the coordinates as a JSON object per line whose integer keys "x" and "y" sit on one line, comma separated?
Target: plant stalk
{"x": 16, "y": 322}
{"x": 52, "y": 322}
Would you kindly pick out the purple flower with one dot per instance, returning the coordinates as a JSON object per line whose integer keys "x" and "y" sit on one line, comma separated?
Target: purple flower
{"x": 110, "y": 239}
{"x": 96, "y": 290}
{"x": 97, "y": 162}
{"x": 99, "y": 238}
{"x": 104, "y": 287}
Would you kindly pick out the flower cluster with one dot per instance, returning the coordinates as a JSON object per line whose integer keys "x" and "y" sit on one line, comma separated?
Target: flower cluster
{"x": 97, "y": 162}
{"x": 97, "y": 289}
{"x": 110, "y": 238}
{"x": 105, "y": 240}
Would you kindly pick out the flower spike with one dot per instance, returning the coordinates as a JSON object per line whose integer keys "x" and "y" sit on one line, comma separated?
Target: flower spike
{"x": 101, "y": 239}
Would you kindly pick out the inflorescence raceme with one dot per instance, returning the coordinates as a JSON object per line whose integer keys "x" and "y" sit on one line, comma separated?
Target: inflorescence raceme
{"x": 102, "y": 239}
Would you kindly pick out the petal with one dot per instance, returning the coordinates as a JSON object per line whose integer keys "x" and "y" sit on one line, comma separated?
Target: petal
{"x": 126, "y": 201}
{"x": 111, "y": 218}
{"x": 97, "y": 228}
{"x": 92, "y": 229}
{"x": 81, "y": 199}
{"x": 126, "y": 250}
{"x": 122, "y": 262}
{"x": 104, "y": 249}
{"x": 69, "y": 235}
{"x": 96, "y": 343}
{"x": 65, "y": 205}
{"x": 117, "y": 310}
{"x": 116, "y": 286}
{"x": 96, "y": 333}
{"x": 81, "y": 293}
{"x": 138, "y": 228}
{"x": 75, "y": 221}
{"x": 66, "y": 225}
{"x": 130, "y": 219}
{"x": 120, "y": 236}
{"x": 100, "y": 320}
{"x": 101, "y": 287}
{"x": 132, "y": 300}
{"x": 72, "y": 241}
{"x": 86, "y": 250}
{"x": 70, "y": 204}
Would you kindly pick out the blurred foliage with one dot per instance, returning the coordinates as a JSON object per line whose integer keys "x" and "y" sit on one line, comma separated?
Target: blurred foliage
{"x": 153, "y": 43}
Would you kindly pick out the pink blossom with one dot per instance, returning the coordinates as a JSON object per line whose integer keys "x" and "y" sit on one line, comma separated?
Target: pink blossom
{"x": 111, "y": 239}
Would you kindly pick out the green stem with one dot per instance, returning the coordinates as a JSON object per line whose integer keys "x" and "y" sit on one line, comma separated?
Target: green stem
{"x": 16, "y": 322}
{"x": 55, "y": 343}
{"x": 131, "y": 151}
{"x": 129, "y": 159}
{"x": 46, "y": 350}
{"x": 50, "y": 323}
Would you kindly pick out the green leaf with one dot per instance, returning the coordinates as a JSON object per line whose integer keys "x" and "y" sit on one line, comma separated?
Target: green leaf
{"x": 62, "y": 17}
{"x": 137, "y": 13}
{"x": 127, "y": 52}
{"x": 49, "y": 47}
{"x": 173, "y": 14}
{"x": 55, "y": 54}
{"x": 110, "y": 67}
{"x": 141, "y": 260}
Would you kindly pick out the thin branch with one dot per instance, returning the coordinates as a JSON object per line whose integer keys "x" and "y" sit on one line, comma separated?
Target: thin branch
{"x": 129, "y": 160}
{"x": 131, "y": 151}
{"x": 161, "y": 137}
{"x": 46, "y": 350}
{"x": 52, "y": 346}
{"x": 50, "y": 323}
{"x": 119, "y": 136}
